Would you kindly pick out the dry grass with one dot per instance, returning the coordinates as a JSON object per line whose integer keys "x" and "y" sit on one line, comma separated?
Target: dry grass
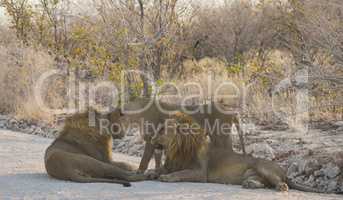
{"x": 257, "y": 103}
{"x": 204, "y": 79}
{"x": 20, "y": 68}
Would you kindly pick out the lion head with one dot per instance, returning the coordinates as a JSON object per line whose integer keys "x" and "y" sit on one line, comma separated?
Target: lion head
{"x": 93, "y": 124}
{"x": 181, "y": 139}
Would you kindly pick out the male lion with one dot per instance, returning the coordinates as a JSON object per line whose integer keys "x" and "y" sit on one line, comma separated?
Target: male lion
{"x": 191, "y": 157}
{"x": 155, "y": 113}
{"x": 84, "y": 154}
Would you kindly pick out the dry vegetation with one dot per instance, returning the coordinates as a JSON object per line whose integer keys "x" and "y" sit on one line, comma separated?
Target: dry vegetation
{"x": 257, "y": 44}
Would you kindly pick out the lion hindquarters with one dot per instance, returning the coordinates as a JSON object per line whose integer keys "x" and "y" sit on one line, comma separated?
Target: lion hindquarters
{"x": 252, "y": 180}
{"x": 82, "y": 168}
{"x": 273, "y": 174}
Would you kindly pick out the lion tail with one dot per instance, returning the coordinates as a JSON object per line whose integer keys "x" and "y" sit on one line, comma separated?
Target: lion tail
{"x": 82, "y": 179}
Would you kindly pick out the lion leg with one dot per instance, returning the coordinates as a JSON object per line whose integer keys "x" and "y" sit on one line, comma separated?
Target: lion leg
{"x": 158, "y": 158}
{"x": 124, "y": 166}
{"x": 147, "y": 155}
{"x": 252, "y": 181}
{"x": 99, "y": 169}
{"x": 274, "y": 179}
{"x": 113, "y": 171}
{"x": 241, "y": 136}
{"x": 83, "y": 168}
{"x": 184, "y": 176}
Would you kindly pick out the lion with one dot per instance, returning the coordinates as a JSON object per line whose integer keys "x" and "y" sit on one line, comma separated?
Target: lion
{"x": 156, "y": 113}
{"x": 82, "y": 153}
{"x": 192, "y": 157}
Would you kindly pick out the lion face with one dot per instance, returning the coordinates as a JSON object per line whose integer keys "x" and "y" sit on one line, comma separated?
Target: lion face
{"x": 179, "y": 128}
{"x": 163, "y": 137}
{"x": 181, "y": 141}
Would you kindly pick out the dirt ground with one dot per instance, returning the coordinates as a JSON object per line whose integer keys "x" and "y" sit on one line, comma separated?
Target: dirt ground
{"x": 22, "y": 176}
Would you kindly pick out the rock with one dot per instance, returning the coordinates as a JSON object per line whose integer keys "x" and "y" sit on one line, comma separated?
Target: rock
{"x": 332, "y": 186}
{"x": 293, "y": 170}
{"x": 331, "y": 170}
{"x": 121, "y": 145}
{"x": 311, "y": 166}
{"x": 263, "y": 150}
{"x": 28, "y": 130}
{"x": 278, "y": 126}
{"x": 310, "y": 181}
{"x": 133, "y": 132}
{"x": 339, "y": 124}
{"x": 319, "y": 180}
{"x": 4, "y": 118}
{"x": 12, "y": 124}
{"x": 38, "y": 131}
{"x": 318, "y": 173}
{"x": 339, "y": 159}
{"x": 52, "y": 133}
{"x": 138, "y": 140}
{"x": 3, "y": 124}
{"x": 248, "y": 128}
{"x": 308, "y": 166}
{"x": 299, "y": 179}
{"x": 323, "y": 186}
{"x": 134, "y": 150}
{"x": 116, "y": 142}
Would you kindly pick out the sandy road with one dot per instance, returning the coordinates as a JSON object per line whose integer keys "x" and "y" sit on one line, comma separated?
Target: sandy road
{"x": 22, "y": 176}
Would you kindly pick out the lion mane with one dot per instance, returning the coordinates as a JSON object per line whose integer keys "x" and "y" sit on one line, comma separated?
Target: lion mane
{"x": 182, "y": 149}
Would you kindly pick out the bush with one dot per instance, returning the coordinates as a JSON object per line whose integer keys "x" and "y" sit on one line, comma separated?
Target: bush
{"x": 20, "y": 68}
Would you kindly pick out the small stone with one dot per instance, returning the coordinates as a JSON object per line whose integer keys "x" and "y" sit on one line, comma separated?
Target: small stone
{"x": 339, "y": 123}
{"x": 4, "y": 117}
{"x": 331, "y": 171}
{"x": 263, "y": 150}
{"x": 38, "y": 131}
{"x": 311, "y": 181}
{"x": 332, "y": 186}
{"x": 28, "y": 130}
{"x": 299, "y": 179}
{"x": 138, "y": 140}
{"x": 51, "y": 133}
{"x": 3, "y": 124}
{"x": 121, "y": 145}
{"x": 134, "y": 150}
{"x": 302, "y": 165}
{"x": 12, "y": 123}
{"x": 339, "y": 159}
{"x": 293, "y": 170}
{"x": 311, "y": 166}
{"x": 318, "y": 173}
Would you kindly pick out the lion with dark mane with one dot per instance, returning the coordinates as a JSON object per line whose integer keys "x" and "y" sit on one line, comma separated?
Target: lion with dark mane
{"x": 152, "y": 111}
{"x": 192, "y": 157}
{"x": 83, "y": 153}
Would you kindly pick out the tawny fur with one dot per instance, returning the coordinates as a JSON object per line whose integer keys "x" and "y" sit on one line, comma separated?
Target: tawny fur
{"x": 208, "y": 114}
{"x": 197, "y": 160}
{"x": 83, "y": 153}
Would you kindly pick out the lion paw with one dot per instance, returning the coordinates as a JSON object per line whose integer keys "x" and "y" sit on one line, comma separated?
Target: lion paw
{"x": 152, "y": 174}
{"x": 252, "y": 184}
{"x": 282, "y": 187}
{"x": 168, "y": 178}
{"x": 138, "y": 177}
